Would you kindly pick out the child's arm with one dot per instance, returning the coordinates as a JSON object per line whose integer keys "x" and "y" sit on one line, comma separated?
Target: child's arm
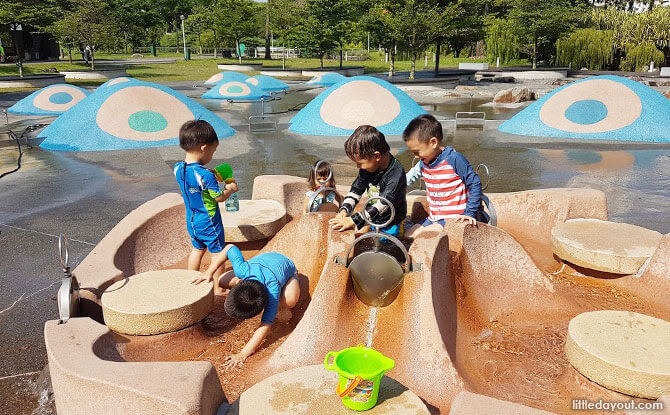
{"x": 343, "y": 220}
{"x": 413, "y": 174}
{"x": 471, "y": 181}
{"x": 257, "y": 338}
{"x": 228, "y": 190}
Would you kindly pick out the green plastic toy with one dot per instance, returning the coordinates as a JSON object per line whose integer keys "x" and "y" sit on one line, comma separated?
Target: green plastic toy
{"x": 223, "y": 172}
{"x": 361, "y": 370}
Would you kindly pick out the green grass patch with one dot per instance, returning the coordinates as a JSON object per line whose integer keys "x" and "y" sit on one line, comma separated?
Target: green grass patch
{"x": 201, "y": 69}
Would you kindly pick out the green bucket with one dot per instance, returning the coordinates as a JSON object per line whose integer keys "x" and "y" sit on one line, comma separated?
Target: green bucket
{"x": 361, "y": 370}
{"x": 223, "y": 172}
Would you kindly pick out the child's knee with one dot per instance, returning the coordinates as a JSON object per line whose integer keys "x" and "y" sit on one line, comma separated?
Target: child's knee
{"x": 291, "y": 293}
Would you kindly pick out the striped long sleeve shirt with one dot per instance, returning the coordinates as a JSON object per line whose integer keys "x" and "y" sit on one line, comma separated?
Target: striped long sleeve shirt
{"x": 452, "y": 186}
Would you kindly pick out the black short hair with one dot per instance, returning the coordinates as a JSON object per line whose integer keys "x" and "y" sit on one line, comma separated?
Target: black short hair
{"x": 363, "y": 143}
{"x": 423, "y": 128}
{"x": 246, "y": 299}
{"x": 195, "y": 133}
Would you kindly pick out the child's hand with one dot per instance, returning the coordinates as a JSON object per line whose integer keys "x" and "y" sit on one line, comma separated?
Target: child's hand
{"x": 232, "y": 187}
{"x": 205, "y": 277}
{"x": 465, "y": 218}
{"x": 234, "y": 361}
{"x": 342, "y": 224}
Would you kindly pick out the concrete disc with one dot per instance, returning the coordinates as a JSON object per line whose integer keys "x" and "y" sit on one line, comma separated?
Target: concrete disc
{"x": 621, "y": 350}
{"x": 600, "y": 245}
{"x": 257, "y": 219}
{"x": 311, "y": 390}
{"x": 156, "y": 302}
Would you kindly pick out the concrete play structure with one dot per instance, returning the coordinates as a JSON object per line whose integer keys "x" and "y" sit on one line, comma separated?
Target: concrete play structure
{"x": 267, "y": 83}
{"x": 479, "y": 326}
{"x": 51, "y": 100}
{"x": 236, "y": 91}
{"x": 326, "y": 79}
{"x": 125, "y": 115}
{"x": 226, "y": 76}
{"x": 603, "y": 107}
{"x": 355, "y": 101}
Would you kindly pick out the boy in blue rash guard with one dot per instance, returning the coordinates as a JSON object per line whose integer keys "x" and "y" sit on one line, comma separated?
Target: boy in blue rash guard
{"x": 202, "y": 195}
{"x": 265, "y": 282}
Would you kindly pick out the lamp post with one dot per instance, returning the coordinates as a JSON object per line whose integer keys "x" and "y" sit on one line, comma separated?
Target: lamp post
{"x": 183, "y": 33}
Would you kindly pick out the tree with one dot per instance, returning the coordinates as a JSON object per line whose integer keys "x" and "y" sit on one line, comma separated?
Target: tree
{"x": 268, "y": 55}
{"x": 35, "y": 13}
{"x": 89, "y": 23}
{"x": 286, "y": 14}
{"x": 540, "y": 22}
{"x": 317, "y": 30}
{"x": 418, "y": 23}
{"x": 134, "y": 18}
{"x": 236, "y": 20}
{"x": 500, "y": 40}
{"x": 382, "y": 21}
{"x": 198, "y": 22}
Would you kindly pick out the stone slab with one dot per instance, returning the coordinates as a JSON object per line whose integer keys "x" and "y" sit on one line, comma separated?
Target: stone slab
{"x": 257, "y": 219}
{"x": 156, "y": 302}
{"x": 600, "y": 245}
{"x": 477, "y": 66}
{"x": 249, "y": 67}
{"x": 621, "y": 350}
{"x": 311, "y": 390}
{"x": 468, "y": 403}
{"x": 99, "y": 74}
{"x": 665, "y": 71}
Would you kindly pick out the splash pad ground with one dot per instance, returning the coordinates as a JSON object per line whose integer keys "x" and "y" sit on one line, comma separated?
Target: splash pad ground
{"x": 117, "y": 182}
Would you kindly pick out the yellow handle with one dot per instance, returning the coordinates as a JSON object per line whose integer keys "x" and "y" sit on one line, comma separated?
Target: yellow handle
{"x": 330, "y": 366}
{"x": 349, "y": 388}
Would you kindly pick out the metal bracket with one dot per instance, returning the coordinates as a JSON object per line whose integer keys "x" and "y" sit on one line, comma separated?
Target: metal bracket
{"x": 262, "y": 120}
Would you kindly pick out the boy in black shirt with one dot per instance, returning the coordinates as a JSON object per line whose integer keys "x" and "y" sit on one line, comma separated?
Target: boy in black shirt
{"x": 380, "y": 174}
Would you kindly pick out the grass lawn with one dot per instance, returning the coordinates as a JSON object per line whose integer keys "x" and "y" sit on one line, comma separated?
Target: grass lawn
{"x": 201, "y": 69}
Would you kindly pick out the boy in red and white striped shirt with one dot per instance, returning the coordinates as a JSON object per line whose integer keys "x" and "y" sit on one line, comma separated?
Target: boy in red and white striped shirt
{"x": 453, "y": 189}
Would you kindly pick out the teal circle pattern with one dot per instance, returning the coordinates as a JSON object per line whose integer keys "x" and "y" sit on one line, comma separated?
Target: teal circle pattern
{"x": 586, "y": 112}
{"x": 234, "y": 89}
{"x": 147, "y": 121}
{"x": 60, "y": 98}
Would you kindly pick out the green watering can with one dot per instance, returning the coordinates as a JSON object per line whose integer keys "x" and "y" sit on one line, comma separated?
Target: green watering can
{"x": 223, "y": 172}
{"x": 361, "y": 369}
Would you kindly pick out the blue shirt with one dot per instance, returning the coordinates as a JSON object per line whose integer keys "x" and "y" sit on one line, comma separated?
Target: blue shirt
{"x": 271, "y": 269}
{"x": 199, "y": 189}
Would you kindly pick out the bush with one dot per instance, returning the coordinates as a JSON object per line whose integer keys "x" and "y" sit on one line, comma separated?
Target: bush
{"x": 586, "y": 48}
{"x": 638, "y": 57}
{"x": 500, "y": 41}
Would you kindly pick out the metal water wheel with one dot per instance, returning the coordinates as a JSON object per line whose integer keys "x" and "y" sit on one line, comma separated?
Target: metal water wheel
{"x": 376, "y": 275}
{"x": 68, "y": 293}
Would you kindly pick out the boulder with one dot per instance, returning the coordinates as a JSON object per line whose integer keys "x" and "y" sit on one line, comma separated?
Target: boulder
{"x": 514, "y": 95}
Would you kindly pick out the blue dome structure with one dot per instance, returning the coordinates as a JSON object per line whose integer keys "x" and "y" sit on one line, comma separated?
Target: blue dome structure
{"x": 226, "y": 76}
{"x": 127, "y": 115}
{"x": 51, "y": 100}
{"x": 235, "y": 90}
{"x": 267, "y": 83}
{"x": 359, "y": 100}
{"x": 603, "y": 107}
{"x": 117, "y": 80}
{"x": 326, "y": 79}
